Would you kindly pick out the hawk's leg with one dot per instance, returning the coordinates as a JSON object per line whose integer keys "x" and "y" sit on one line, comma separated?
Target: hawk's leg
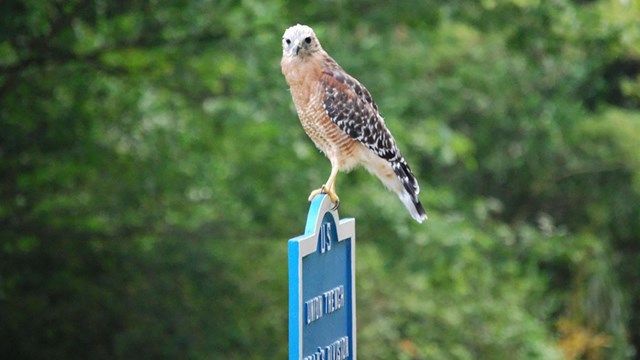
{"x": 329, "y": 188}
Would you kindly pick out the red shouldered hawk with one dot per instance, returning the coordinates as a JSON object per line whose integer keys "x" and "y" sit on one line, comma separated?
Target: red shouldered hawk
{"x": 342, "y": 119}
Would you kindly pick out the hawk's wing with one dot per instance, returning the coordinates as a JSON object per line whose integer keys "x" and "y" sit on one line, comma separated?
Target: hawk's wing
{"x": 350, "y": 106}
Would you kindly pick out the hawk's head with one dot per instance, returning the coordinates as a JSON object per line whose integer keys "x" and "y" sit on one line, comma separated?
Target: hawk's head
{"x": 299, "y": 40}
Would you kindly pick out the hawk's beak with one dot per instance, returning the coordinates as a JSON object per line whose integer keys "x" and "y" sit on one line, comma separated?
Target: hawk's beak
{"x": 296, "y": 47}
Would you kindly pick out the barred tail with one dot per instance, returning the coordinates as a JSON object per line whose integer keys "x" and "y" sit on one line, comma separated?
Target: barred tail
{"x": 415, "y": 208}
{"x": 397, "y": 177}
{"x": 408, "y": 194}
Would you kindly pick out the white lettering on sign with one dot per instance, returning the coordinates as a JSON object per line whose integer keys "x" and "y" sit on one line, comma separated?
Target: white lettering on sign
{"x": 325, "y": 238}
{"x": 326, "y": 303}
{"x": 314, "y": 309}
{"x": 337, "y": 350}
{"x": 333, "y": 299}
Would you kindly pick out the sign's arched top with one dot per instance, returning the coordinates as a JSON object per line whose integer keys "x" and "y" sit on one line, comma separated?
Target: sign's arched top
{"x": 319, "y": 211}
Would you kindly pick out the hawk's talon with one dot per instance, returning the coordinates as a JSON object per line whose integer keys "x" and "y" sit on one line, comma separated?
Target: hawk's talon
{"x": 334, "y": 199}
{"x": 317, "y": 192}
{"x": 332, "y": 195}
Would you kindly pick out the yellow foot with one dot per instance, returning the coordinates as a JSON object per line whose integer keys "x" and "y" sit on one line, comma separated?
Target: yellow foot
{"x": 332, "y": 195}
{"x": 316, "y": 192}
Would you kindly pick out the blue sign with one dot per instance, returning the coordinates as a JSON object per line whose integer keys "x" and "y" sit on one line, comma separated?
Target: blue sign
{"x": 322, "y": 295}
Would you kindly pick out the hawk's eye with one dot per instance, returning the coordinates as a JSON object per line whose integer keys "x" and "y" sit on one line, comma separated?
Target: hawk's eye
{"x": 307, "y": 40}
{"x": 287, "y": 41}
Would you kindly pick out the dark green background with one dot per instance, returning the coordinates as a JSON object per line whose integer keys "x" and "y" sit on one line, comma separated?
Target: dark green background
{"x": 152, "y": 169}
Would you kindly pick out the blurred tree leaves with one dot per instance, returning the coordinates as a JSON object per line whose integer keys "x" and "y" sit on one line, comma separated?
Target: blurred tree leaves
{"x": 151, "y": 168}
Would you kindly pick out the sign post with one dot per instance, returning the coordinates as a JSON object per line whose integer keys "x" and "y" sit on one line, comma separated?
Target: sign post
{"x": 322, "y": 296}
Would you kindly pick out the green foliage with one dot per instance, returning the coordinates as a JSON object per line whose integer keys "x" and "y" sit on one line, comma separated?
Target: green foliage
{"x": 152, "y": 168}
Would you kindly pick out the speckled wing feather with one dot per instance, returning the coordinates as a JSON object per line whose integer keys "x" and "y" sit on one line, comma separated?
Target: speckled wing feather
{"x": 350, "y": 106}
